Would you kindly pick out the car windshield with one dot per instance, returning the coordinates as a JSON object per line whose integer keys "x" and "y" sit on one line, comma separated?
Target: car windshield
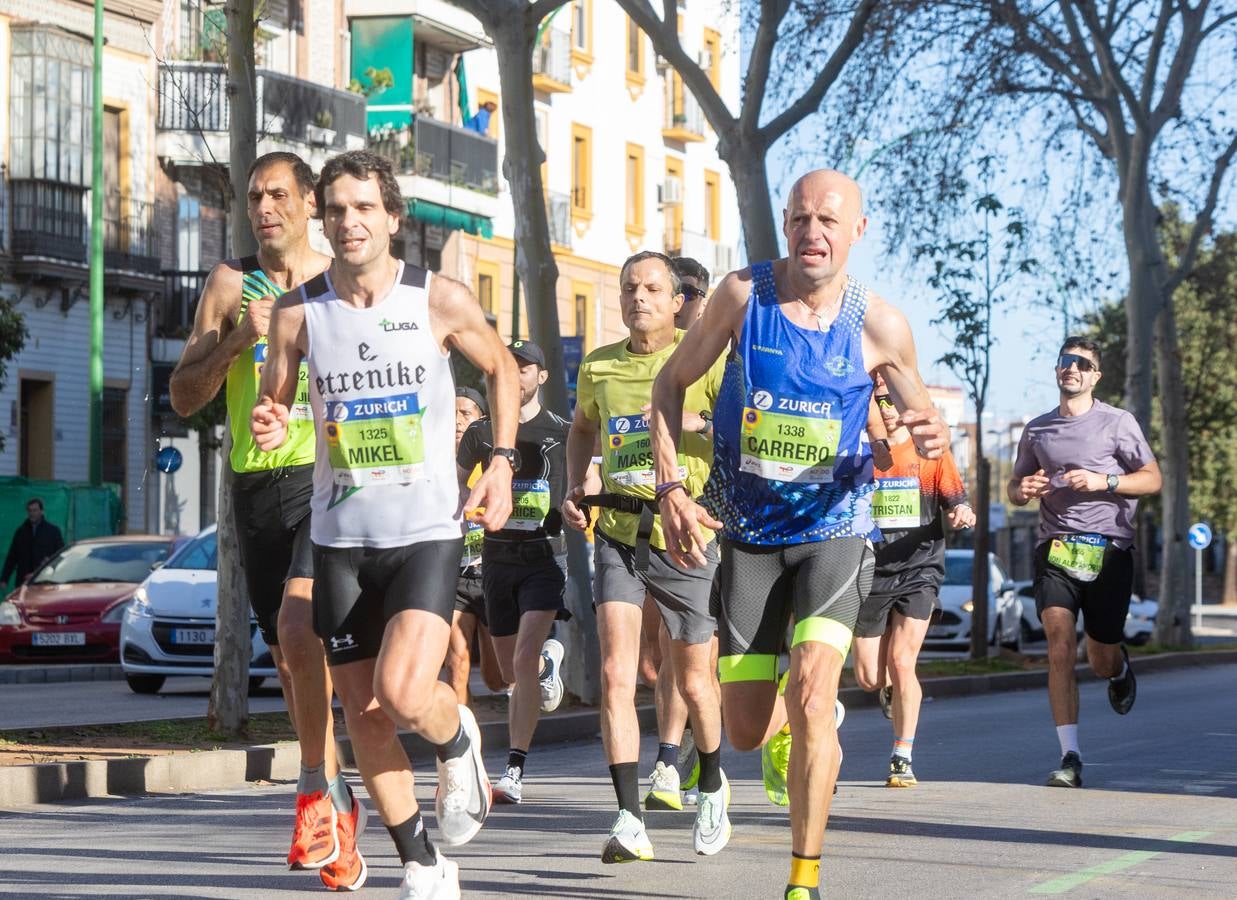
{"x": 99, "y": 561}
{"x": 197, "y": 554}
{"x": 958, "y": 568}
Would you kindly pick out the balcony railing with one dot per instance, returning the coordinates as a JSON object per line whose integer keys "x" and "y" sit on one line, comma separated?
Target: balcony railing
{"x": 193, "y": 97}
{"x": 558, "y": 211}
{"x": 683, "y": 117}
{"x": 50, "y": 218}
{"x": 129, "y": 240}
{"x": 552, "y": 58}
{"x": 433, "y": 149}
{"x": 179, "y": 302}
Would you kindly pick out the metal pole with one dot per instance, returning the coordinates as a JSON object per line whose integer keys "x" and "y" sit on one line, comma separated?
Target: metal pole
{"x": 1198, "y": 588}
{"x": 96, "y": 255}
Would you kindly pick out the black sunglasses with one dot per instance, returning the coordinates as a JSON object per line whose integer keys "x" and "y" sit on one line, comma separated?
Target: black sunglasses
{"x": 1069, "y": 359}
{"x": 692, "y": 293}
{"x": 884, "y": 400}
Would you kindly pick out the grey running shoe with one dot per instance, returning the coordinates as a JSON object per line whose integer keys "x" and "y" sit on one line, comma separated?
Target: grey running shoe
{"x": 551, "y": 677}
{"x": 1122, "y": 691}
{"x": 900, "y": 773}
{"x": 885, "y": 697}
{"x": 689, "y": 761}
{"x": 1070, "y": 773}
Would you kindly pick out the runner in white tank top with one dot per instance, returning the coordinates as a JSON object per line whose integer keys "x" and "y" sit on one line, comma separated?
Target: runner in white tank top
{"x": 386, "y": 525}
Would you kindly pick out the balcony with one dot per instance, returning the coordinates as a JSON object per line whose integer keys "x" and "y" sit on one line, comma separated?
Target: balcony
{"x": 49, "y": 219}
{"x": 195, "y": 115}
{"x": 442, "y": 164}
{"x": 683, "y": 122}
{"x": 552, "y": 62}
{"x": 129, "y": 240}
{"x": 178, "y": 303}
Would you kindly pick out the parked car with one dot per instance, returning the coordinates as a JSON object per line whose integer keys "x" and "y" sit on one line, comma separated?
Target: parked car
{"x": 1032, "y": 627}
{"x": 169, "y": 628}
{"x": 953, "y": 626}
{"x": 1139, "y": 622}
{"x": 70, "y": 610}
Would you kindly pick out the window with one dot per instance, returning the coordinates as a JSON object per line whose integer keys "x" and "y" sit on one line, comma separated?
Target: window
{"x": 635, "y": 191}
{"x": 582, "y": 29}
{"x": 635, "y": 52}
{"x": 483, "y": 97}
{"x": 115, "y": 436}
{"x": 581, "y": 172}
{"x": 581, "y": 311}
{"x": 712, "y": 205}
{"x": 489, "y": 276}
{"x": 712, "y": 61}
{"x": 50, "y": 107}
{"x": 674, "y": 208}
{"x": 190, "y": 28}
{"x": 188, "y": 234}
{"x": 583, "y": 306}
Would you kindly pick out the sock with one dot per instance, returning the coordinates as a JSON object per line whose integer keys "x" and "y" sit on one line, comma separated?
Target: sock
{"x": 312, "y": 780}
{"x": 454, "y": 748}
{"x": 1125, "y": 667}
{"x": 668, "y": 754}
{"x": 516, "y": 759}
{"x": 627, "y": 787}
{"x": 902, "y": 747}
{"x": 341, "y": 794}
{"x": 412, "y": 841}
{"x": 710, "y": 770}
{"x": 1068, "y": 736}
{"x": 804, "y": 871}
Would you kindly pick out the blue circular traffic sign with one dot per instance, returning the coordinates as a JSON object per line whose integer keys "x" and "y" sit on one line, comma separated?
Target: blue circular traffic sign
{"x": 1200, "y": 535}
{"x": 168, "y": 460}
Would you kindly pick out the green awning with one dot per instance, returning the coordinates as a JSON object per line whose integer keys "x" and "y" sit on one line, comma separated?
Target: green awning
{"x": 447, "y": 217}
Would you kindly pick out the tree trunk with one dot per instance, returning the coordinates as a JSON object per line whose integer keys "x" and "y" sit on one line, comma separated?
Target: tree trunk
{"x": 228, "y": 711}
{"x": 1172, "y": 623}
{"x": 979, "y": 571}
{"x": 1230, "y": 571}
{"x": 746, "y": 160}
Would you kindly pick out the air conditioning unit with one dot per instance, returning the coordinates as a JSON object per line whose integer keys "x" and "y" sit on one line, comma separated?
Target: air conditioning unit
{"x": 723, "y": 258}
{"x": 670, "y": 192}
{"x": 660, "y": 64}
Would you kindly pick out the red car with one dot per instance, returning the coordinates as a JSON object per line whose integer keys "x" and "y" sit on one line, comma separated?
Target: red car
{"x": 70, "y": 609}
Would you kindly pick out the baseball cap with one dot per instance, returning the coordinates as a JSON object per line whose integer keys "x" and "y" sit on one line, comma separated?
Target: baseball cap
{"x": 527, "y": 351}
{"x": 475, "y": 397}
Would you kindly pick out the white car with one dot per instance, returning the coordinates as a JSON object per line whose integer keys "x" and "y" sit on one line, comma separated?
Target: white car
{"x": 169, "y": 627}
{"x": 1032, "y": 627}
{"x": 1139, "y": 622}
{"x": 953, "y": 626}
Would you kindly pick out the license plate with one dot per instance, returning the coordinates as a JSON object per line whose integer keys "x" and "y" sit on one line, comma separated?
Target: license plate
{"x": 59, "y": 639}
{"x": 193, "y": 635}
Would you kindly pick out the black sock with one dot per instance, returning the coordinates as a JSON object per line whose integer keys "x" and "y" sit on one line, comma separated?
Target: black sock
{"x": 516, "y": 759}
{"x": 668, "y": 754}
{"x": 627, "y": 787}
{"x": 412, "y": 841}
{"x": 454, "y": 748}
{"x": 710, "y": 770}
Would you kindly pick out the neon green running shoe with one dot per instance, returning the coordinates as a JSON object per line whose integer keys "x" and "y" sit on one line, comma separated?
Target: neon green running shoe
{"x": 774, "y": 764}
{"x": 689, "y": 761}
{"x": 797, "y": 892}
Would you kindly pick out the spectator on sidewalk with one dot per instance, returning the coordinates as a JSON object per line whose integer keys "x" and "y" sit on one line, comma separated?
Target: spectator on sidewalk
{"x": 34, "y": 542}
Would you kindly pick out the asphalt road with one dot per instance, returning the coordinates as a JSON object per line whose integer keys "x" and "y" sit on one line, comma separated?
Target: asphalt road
{"x": 1157, "y": 819}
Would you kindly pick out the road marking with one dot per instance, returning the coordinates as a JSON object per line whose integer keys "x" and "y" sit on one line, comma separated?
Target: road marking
{"x": 1125, "y": 861}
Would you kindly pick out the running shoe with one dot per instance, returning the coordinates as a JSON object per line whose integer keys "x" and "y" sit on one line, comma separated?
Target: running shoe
{"x": 628, "y": 841}
{"x": 510, "y": 787}
{"x": 712, "y": 829}
{"x": 689, "y": 761}
{"x": 1122, "y": 691}
{"x": 885, "y": 697}
{"x": 552, "y": 677}
{"x": 441, "y": 881}
{"x": 774, "y": 764}
{"x": 1070, "y": 773}
{"x": 463, "y": 798}
{"x": 349, "y": 871}
{"x": 900, "y": 773}
{"x": 795, "y": 892}
{"x": 663, "y": 788}
{"x": 314, "y": 840}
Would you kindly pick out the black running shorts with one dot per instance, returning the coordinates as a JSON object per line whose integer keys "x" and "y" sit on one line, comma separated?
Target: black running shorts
{"x": 520, "y": 579}
{"x": 358, "y": 590}
{"x": 912, "y": 594}
{"x": 271, "y": 511}
{"x": 1104, "y": 602}
{"x": 469, "y": 595}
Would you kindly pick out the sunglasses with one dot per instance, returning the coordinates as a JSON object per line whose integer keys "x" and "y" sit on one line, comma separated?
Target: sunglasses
{"x": 884, "y": 401}
{"x": 1072, "y": 359}
{"x": 692, "y": 293}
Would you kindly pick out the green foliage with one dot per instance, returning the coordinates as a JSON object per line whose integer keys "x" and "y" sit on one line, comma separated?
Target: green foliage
{"x": 13, "y": 334}
{"x": 379, "y": 80}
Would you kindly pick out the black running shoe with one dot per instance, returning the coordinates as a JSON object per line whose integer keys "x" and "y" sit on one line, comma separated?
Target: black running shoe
{"x": 1122, "y": 691}
{"x": 885, "y": 696}
{"x": 1070, "y": 773}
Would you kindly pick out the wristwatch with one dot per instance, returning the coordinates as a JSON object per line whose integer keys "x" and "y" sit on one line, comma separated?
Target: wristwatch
{"x": 511, "y": 454}
{"x": 708, "y": 421}
{"x": 1113, "y": 482}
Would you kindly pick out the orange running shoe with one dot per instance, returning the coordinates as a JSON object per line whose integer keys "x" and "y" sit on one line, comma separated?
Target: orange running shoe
{"x": 314, "y": 842}
{"x": 348, "y": 872}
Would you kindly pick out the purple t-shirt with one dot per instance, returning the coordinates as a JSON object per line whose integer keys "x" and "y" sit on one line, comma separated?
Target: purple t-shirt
{"x": 1104, "y": 439}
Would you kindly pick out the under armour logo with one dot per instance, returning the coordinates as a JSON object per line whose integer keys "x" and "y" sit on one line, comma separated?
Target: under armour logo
{"x": 345, "y": 641}
{"x": 363, "y": 350}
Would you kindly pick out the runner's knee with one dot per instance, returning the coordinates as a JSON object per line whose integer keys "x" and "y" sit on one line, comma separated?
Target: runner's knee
{"x": 618, "y": 681}
{"x": 405, "y": 703}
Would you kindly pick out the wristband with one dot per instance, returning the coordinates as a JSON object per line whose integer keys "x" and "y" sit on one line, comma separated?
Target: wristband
{"x": 669, "y": 487}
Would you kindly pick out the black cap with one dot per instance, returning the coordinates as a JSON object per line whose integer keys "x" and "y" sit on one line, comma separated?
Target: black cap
{"x": 475, "y": 397}
{"x": 527, "y": 351}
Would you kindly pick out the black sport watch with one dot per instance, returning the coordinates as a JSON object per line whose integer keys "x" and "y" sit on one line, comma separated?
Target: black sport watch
{"x": 1113, "y": 482}
{"x": 511, "y": 454}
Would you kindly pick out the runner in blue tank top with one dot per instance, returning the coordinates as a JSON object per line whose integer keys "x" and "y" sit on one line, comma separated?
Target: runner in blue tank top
{"x": 791, "y": 485}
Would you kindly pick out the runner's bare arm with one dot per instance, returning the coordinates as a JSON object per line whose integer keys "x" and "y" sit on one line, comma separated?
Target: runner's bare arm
{"x": 457, "y": 322}
{"x": 286, "y": 345}
{"x": 215, "y": 342}
{"x": 1140, "y": 483}
{"x": 889, "y": 348}
{"x": 581, "y": 440}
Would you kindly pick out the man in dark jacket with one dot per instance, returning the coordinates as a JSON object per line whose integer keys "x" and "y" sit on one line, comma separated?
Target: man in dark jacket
{"x": 34, "y": 542}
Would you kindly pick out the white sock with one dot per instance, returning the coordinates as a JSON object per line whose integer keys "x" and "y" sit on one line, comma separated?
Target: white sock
{"x": 1067, "y": 735}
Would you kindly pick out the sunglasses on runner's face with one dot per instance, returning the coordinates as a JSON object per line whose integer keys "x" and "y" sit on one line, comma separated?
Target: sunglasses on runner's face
{"x": 692, "y": 293}
{"x": 884, "y": 401}
{"x": 1069, "y": 359}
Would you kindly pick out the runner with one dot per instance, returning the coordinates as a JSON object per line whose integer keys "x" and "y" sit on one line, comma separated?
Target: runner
{"x": 1100, "y": 464}
{"x": 386, "y": 525}
{"x": 270, "y": 495}
{"x": 523, "y": 577}
{"x": 792, "y": 482}
{"x": 910, "y": 566}
{"x": 630, "y": 558}
{"x": 694, "y": 279}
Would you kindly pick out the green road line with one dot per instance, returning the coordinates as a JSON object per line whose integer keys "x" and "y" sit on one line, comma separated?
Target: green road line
{"x": 1125, "y": 861}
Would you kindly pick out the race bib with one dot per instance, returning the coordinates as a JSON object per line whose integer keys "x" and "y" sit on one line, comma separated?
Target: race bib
{"x": 785, "y": 439}
{"x": 895, "y": 503}
{"x": 474, "y": 537}
{"x": 377, "y": 440}
{"x": 300, "y": 406}
{"x": 1080, "y": 556}
{"x": 629, "y": 456}
{"x": 530, "y": 503}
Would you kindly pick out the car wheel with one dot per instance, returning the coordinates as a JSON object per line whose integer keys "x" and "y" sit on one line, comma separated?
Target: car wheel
{"x": 255, "y": 683}
{"x": 145, "y": 684}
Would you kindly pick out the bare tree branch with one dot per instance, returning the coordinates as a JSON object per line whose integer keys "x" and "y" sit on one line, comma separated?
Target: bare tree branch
{"x": 1202, "y": 222}
{"x": 1188, "y": 44}
{"x": 1152, "y": 66}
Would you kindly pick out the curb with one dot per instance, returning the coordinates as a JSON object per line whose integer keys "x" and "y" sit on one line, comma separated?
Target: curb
{"x": 19, "y": 674}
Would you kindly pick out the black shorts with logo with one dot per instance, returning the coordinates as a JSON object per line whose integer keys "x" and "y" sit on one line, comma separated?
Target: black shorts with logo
{"x": 1104, "y": 602}
{"x": 271, "y": 511}
{"x": 469, "y": 596}
{"x": 358, "y": 590}
{"x": 520, "y": 578}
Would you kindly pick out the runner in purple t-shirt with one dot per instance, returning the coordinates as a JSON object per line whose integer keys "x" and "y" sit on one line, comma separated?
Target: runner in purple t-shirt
{"x": 1087, "y": 463}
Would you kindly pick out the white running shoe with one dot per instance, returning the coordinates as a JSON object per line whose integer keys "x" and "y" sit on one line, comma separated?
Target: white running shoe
{"x": 509, "y": 788}
{"x": 663, "y": 788}
{"x": 441, "y": 881}
{"x": 552, "y": 681}
{"x": 463, "y": 798}
{"x": 628, "y": 841}
{"x": 839, "y": 713}
{"x": 712, "y": 829}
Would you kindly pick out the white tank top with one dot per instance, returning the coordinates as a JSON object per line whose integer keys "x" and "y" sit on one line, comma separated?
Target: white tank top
{"x": 383, "y": 397}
